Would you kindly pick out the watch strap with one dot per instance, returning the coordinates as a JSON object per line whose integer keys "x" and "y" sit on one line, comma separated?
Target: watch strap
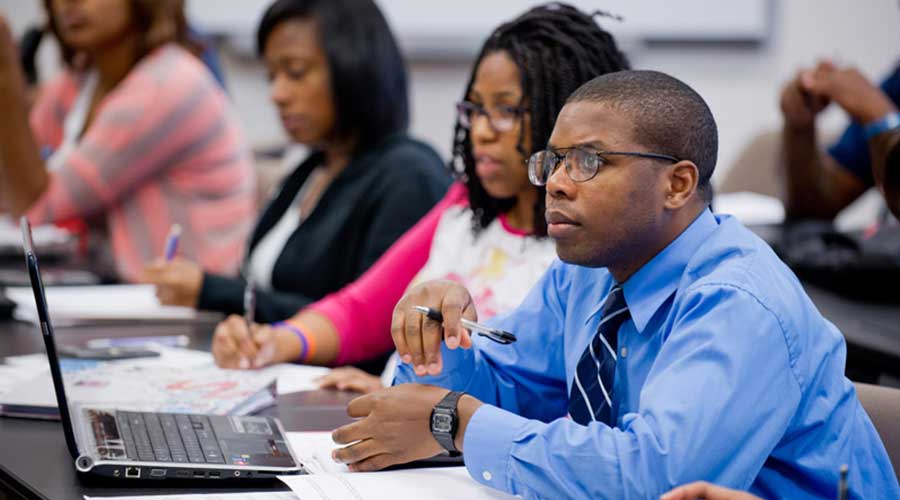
{"x": 447, "y": 406}
{"x": 887, "y": 122}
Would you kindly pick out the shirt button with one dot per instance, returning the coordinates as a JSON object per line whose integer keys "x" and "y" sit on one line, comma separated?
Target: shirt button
{"x": 624, "y": 352}
{"x": 487, "y": 475}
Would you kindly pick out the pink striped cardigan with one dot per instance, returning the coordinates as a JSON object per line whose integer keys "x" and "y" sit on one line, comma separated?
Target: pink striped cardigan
{"x": 164, "y": 147}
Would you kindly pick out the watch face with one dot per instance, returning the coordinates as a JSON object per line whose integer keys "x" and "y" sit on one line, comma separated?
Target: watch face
{"x": 441, "y": 422}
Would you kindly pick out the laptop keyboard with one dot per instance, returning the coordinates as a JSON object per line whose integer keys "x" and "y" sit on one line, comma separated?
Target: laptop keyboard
{"x": 168, "y": 437}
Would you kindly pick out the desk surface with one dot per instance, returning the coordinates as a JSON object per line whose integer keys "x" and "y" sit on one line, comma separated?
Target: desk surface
{"x": 34, "y": 462}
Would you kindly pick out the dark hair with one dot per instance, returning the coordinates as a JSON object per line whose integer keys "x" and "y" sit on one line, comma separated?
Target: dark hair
{"x": 669, "y": 117}
{"x": 28, "y": 47}
{"x": 368, "y": 76}
{"x": 158, "y": 21}
{"x": 556, "y": 48}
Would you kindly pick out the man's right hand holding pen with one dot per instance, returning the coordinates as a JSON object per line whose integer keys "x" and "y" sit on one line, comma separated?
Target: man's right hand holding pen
{"x": 418, "y": 338}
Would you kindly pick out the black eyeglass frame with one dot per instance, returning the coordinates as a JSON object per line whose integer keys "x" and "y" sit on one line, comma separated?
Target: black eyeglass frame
{"x": 478, "y": 109}
{"x": 532, "y": 161}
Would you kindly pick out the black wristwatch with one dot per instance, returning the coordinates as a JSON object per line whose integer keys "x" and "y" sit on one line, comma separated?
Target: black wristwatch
{"x": 445, "y": 422}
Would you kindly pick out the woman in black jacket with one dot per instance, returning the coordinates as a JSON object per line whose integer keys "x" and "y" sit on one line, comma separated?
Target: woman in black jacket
{"x": 339, "y": 83}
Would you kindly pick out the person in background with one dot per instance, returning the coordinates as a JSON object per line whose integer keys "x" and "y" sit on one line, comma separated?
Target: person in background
{"x": 133, "y": 136}
{"x": 489, "y": 231}
{"x": 337, "y": 78}
{"x": 822, "y": 183}
{"x": 665, "y": 345}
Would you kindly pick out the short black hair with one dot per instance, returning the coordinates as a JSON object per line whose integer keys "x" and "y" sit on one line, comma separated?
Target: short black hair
{"x": 556, "y": 48}
{"x": 669, "y": 116}
{"x": 368, "y": 75}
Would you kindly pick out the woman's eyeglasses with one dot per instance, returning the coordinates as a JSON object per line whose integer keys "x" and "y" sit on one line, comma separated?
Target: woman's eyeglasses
{"x": 500, "y": 118}
{"x": 582, "y": 164}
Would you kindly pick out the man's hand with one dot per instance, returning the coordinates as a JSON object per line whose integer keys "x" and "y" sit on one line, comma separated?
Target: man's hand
{"x": 178, "y": 281}
{"x": 706, "y": 491}
{"x": 798, "y": 105}
{"x": 849, "y": 89}
{"x": 350, "y": 378}
{"x": 417, "y": 338}
{"x": 237, "y": 347}
{"x": 396, "y": 428}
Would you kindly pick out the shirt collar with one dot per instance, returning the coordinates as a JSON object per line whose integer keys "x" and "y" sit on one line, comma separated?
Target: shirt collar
{"x": 647, "y": 289}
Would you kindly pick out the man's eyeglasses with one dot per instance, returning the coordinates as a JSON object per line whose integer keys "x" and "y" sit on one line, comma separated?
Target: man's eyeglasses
{"x": 582, "y": 164}
{"x": 501, "y": 118}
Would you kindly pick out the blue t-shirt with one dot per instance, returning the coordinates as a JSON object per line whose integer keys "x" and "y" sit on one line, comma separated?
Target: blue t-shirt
{"x": 852, "y": 149}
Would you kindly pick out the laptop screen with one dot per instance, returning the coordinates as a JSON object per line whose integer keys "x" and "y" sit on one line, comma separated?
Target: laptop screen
{"x": 40, "y": 300}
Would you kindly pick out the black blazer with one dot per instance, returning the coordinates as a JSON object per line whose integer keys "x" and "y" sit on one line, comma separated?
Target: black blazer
{"x": 382, "y": 192}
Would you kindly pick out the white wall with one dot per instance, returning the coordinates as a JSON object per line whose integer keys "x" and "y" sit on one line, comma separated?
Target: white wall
{"x": 741, "y": 83}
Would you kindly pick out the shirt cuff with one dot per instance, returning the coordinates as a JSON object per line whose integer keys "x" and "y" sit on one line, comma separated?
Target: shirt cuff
{"x": 488, "y": 443}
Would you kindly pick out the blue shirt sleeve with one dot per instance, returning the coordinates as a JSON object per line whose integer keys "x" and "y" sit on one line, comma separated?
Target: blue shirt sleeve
{"x": 725, "y": 365}
{"x": 526, "y": 377}
{"x": 852, "y": 149}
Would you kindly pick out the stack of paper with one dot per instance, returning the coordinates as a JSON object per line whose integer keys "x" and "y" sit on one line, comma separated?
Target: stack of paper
{"x": 331, "y": 481}
{"x": 70, "y": 305}
{"x": 46, "y": 237}
{"x": 412, "y": 484}
{"x": 269, "y": 495}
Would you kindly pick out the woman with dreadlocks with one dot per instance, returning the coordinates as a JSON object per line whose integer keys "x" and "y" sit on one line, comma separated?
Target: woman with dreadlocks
{"x": 489, "y": 231}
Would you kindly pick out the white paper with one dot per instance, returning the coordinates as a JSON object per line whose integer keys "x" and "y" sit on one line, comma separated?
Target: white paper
{"x": 451, "y": 483}
{"x": 269, "y": 495}
{"x": 313, "y": 449}
{"x": 296, "y": 378}
{"x": 103, "y": 303}
{"x": 43, "y": 235}
{"x": 750, "y": 208}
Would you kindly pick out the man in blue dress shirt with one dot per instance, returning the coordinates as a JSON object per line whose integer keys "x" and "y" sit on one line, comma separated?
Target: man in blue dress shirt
{"x": 667, "y": 344}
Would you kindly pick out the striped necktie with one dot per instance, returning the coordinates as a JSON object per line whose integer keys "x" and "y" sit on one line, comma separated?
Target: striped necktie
{"x": 590, "y": 399}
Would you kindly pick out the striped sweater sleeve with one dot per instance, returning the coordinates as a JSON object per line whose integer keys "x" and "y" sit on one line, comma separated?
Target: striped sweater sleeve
{"x": 152, "y": 119}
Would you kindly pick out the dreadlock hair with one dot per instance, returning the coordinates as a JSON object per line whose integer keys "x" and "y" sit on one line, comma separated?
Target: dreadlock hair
{"x": 556, "y": 48}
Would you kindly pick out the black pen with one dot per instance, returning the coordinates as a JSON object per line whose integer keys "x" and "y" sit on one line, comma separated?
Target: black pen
{"x": 842, "y": 483}
{"x": 498, "y": 336}
{"x": 249, "y": 302}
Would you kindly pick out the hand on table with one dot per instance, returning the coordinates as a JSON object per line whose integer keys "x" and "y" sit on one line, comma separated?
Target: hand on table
{"x": 396, "y": 427}
{"x": 350, "y": 378}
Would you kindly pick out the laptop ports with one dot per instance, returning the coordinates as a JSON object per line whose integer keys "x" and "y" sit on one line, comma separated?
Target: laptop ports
{"x": 199, "y": 474}
{"x": 215, "y": 474}
{"x": 133, "y": 472}
{"x": 158, "y": 473}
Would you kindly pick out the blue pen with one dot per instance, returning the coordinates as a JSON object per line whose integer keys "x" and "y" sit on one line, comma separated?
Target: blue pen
{"x": 172, "y": 242}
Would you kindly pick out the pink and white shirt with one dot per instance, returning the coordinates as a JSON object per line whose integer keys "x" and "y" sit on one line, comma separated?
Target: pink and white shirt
{"x": 498, "y": 266}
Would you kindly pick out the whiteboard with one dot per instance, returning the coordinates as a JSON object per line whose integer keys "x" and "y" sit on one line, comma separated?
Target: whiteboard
{"x": 454, "y": 28}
